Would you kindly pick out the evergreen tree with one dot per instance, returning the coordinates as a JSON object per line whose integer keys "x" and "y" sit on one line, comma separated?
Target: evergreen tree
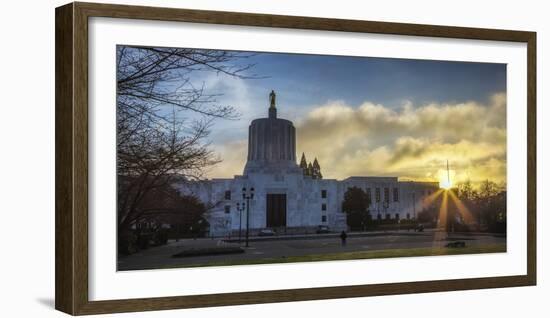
{"x": 303, "y": 163}
{"x": 355, "y": 205}
{"x": 317, "y": 170}
{"x": 309, "y": 170}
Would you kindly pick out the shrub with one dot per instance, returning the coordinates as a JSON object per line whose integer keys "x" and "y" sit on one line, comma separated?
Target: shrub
{"x": 127, "y": 243}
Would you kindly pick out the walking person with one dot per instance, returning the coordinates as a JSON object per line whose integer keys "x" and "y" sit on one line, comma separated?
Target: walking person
{"x": 343, "y": 237}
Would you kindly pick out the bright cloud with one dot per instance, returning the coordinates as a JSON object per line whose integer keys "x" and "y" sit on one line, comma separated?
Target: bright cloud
{"x": 412, "y": 142}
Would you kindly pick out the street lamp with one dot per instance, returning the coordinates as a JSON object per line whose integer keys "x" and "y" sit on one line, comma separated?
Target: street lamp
{"x": 248, "y": 194}
{"x": 240, "y": 208}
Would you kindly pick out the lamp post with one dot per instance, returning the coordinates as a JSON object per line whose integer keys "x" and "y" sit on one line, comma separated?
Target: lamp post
{"x": 240, "y": 208}
{"x": 248, "y": 194}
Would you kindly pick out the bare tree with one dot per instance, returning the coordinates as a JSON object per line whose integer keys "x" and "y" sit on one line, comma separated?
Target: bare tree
{"x": 163, "y": 120}
{"x": 488, "y": 189}
{"x": 466, "y": 190}
{"x": 486, "y": 203}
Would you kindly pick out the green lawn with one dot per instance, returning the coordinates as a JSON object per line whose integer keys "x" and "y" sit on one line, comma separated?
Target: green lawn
{"x": 411, "y": 252}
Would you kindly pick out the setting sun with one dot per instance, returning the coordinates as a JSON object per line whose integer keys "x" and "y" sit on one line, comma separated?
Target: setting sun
{"x": 446, "y": 177}
{"x": 444, "y": 184}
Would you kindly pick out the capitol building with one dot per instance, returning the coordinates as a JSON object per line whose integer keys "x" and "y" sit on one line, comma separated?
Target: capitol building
{"x": 291, "y": 197}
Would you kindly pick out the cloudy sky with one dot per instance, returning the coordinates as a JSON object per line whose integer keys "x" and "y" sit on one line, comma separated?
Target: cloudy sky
{"x": 372, "y": 116}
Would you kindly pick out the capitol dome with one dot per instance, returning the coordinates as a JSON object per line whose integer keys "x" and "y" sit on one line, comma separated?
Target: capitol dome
{"x": 271, "y": 142}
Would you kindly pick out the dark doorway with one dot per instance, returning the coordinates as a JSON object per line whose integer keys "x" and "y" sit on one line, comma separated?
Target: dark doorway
{"x": 276, "y": 210}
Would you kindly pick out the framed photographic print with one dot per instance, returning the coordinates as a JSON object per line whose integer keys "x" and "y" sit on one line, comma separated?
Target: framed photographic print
{"x": 211, "y": 158}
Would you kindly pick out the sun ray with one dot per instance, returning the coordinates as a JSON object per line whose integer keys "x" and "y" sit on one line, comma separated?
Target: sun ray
{"x": 462, "y": 209}
{"x": 425, "y": 202}
{"x": 432, "y": 197}
{"x": 441, "y": 232}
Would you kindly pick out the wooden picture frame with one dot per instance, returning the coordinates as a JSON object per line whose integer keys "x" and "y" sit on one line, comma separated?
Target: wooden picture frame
{"x": 71, "y": 90}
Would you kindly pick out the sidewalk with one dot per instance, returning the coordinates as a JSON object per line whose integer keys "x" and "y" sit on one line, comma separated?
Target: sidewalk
{"x": 326, "y": 235}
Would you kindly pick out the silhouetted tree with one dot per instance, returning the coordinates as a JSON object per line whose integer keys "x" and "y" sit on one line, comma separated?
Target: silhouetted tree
{"x": 162, "y": 210}
{"x": 488, "y": 189}
{"x": 487, "y": 204}
{"x": 163, "y": 119}
{"x": 355, "y": 205}
{"x": 466, "y": 191}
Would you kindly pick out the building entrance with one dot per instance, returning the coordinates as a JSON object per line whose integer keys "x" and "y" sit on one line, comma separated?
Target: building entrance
{"x": 276, "y": 210}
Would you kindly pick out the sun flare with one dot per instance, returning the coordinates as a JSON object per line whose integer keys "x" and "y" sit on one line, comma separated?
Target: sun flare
{"x": 444, "y": 184}
{"x": 446, "y": 178}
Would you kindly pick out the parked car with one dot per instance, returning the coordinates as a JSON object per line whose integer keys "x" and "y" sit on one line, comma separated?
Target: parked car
{"x": 322, "y": 229}
{"x": 266, "y": 232}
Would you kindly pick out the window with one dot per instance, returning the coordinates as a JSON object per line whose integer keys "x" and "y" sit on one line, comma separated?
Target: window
{"x": 388, "y": 216}
{"x": 324, "y": 194}
{"x": 323, "y": 218}
{"x": 323, "y": 207}
{"x": 227, "y": 209}
{"x": 408, "y": 216}
{"x": 369, "y": 196}
{"x": 397, "y": 216}
{"x": 377, "y": 194}
{"x": 386, "y": 194}
{"x": 228, "y": 195}
{"x": 379, "y": 216}
{"x": 395, "y": 195}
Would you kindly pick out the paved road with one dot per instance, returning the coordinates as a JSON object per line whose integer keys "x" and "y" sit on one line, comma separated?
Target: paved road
{"x": 267, "y": 248}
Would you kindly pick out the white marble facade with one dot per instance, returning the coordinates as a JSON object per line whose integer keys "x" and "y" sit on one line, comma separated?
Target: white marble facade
{"x": 311, "y": 201}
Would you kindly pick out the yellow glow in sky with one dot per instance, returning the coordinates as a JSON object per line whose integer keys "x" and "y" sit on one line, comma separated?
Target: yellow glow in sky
{"x": 446, "y": 180}
{"x": 411, "y": 142}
